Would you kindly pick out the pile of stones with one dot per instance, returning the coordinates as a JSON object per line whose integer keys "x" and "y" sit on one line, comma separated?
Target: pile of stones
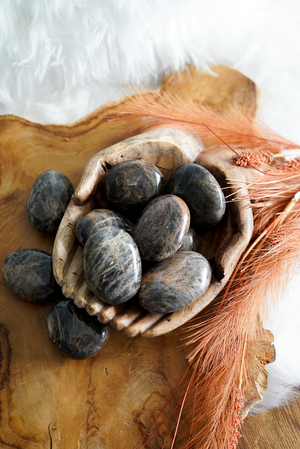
{"x": 140, "y": 247}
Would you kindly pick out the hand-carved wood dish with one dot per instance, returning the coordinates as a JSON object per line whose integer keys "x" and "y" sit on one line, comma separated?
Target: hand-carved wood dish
{"x": 167, "y": 149}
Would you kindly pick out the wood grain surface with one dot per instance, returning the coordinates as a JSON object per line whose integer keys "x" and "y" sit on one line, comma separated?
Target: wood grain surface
{"x": 47, "y": 400}
{"x": 109, "y": 401}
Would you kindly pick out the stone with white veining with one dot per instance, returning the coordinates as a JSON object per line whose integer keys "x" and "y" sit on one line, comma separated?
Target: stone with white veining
{"x": 29, "y": 273}
{"x": 161, "y": 228}
{"x": 175, "y": 283}
{"x": 76, "y": 334}
{"x": 97, "y": 219}
{"x": 48, "y": 200}
{"x": 131, "y": 185}
{"x": 201, "y": 192}
{"x": 112, "y": 265}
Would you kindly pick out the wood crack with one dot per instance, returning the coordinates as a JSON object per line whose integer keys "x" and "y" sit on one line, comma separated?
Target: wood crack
{"x": 49, "y": 433}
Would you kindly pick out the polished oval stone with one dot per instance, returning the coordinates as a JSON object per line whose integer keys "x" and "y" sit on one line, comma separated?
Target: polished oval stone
{"x": 112, "y": 265}
{"x": 97, "y": 219}
{"x": 28, "y": 272}
{"x": 77, "y": 334}
{"x": 190, "y": 241}
{"x": 162, "y": 228}
{"x": 133, "y": 184}
{"x": 48, "y": 200}
{"x": 201, "y": 192}
{"x": 175, "y": 283}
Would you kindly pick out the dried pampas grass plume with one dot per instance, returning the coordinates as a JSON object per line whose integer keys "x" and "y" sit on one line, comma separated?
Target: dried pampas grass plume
{"x": 217, "y": 343}
{"x": 231, "y": 128}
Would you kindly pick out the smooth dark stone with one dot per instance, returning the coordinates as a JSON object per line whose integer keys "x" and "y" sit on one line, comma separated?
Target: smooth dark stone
{"x": 77, "y": 334}
{"x": 201, "y": 192}
{"x": 112, "y": 265}
{"x": 162, "y": 228}
{"x": 190, "y": 241}
{"x": 28, "y": 272}
{"x": 48, "y": 200}
{"x": 97, "y": 219}
{"x": 175, "y": 283}
{"x": 133, "y": 184}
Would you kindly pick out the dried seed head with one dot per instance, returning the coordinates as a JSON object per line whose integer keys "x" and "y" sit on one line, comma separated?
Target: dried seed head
{"x": 236, "y": 418}
{"x": 250, "y": 158}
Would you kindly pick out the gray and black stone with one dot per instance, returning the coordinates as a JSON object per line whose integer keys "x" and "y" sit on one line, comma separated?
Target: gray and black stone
{"x": 190, "y": 242}
{"x": 48, "y": 200}
{"x": 97, "y": 219}
{"x": 201, "y": 192}
{"x": 78, "y": 335}
{"x": 28, "y": 272}
{"x": 112, "y": 265}
{"x": 175, "y": 283}
{"x": 131, "y": 185}
{"x": 162, "y": 228}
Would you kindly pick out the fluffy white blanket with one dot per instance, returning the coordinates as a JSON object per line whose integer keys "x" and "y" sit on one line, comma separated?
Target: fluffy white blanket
{"x": 61, "y": 59}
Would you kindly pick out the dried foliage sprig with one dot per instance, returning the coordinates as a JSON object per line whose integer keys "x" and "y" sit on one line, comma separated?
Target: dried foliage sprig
{"x": 253, "y": 158}
{"x": 217, "y": 342}
{"x": 248, "y": 158}
{"x": 213, "y": 401}
{"x": 270, "y": 195}
{"x": 232, "y": 128}
{"x": 214, "y": 396}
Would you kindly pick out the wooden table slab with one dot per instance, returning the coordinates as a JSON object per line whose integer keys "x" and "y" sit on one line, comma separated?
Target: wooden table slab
{"x": 48, "y": 400}
{"x": 109, "y": 401}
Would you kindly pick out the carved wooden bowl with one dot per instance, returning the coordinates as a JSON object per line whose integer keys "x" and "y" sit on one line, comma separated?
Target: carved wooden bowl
{"x": 167, "y": 149}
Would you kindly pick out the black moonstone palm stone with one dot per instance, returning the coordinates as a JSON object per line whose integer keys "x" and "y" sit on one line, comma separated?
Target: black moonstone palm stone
{"x": 162, "y": 228}
{"x": 112, "y": 265}
{"x": 131, "y": 185}
{"x": 97, "y": 219}
{"x": 201, "y": 192}
{"x": 28, "y": 272}
{"x": 77, "y": 334}
{"x": 175, "y": 283}
{"x": 190, "y": 241}
{"x": 48, "y": 200}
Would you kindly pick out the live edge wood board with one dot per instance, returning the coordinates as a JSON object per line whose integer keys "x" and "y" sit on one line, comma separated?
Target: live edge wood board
{"x": 109, "y": 401}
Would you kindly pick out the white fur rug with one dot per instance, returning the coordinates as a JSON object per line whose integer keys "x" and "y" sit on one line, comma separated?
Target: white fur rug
{"x": 61, "y": 59}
